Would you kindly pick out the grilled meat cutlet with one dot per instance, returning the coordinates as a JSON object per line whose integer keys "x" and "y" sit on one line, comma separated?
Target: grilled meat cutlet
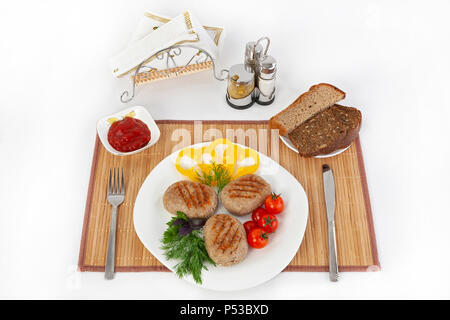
{"x": 196, "y": 200}
{"x": 245, "y": 194}
{"x": 225, "y": 239}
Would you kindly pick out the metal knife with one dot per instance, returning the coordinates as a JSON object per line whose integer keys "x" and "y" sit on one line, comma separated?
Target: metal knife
{"x": 330, "y": 197}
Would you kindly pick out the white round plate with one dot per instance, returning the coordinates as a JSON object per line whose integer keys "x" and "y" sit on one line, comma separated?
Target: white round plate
{"x": 260, "y": 265}
{"x": 291, "y": 146}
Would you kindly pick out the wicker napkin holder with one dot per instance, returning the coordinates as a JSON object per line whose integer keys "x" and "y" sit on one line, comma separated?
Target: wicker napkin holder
{"x": 177, "y": 59}
{"x": 200, "y": 61}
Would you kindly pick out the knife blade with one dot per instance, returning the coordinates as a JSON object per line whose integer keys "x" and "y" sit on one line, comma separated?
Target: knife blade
{"x": 330, "y": 198}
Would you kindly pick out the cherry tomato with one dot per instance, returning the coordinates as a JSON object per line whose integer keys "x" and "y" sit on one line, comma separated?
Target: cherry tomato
{"x": 249, "y": 226}
{"x": 274, "y": 203}
{"x": 268, "y": 222}
{"x": 257, "y": 238}
{"x": 258, "y": 213}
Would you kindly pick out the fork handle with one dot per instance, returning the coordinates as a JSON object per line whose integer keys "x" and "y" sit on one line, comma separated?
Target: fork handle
{"x": 334, "y": 273}
{"x": 110, "y": 255}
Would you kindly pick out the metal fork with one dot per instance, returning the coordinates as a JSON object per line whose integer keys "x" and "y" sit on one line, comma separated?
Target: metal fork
{"x": 116, "y": 195}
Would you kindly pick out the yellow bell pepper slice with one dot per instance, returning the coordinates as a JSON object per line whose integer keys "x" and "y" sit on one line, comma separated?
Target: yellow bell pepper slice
{"x": 204, "y": 160}
{"x": 230, "y": 157}
{"x": 241, "y": 154}
{"x": 226, "y": 159}
{"x": 193, "y": 154}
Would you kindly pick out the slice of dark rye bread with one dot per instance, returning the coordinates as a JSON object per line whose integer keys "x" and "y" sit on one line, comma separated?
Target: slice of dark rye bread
{"x": 318, "y": 98}
{"x": 327, "y": 131}
{"x": 351, "y": 118}
{"x": 320, "y": 134}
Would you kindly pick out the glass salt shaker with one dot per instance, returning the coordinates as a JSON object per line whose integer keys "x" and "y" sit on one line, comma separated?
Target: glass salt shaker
{"x": 266, "y": 70}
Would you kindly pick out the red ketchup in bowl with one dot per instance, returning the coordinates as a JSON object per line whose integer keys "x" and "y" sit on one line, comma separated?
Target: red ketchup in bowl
{"x": 129, "y": 134}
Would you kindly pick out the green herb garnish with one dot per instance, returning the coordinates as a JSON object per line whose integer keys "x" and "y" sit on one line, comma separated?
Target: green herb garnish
{"x": 219, "y": 176}
{"x": 188, "y": 247}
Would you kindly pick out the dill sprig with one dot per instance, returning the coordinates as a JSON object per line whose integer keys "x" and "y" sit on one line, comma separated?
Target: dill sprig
{"x": 189, "y": 249}
{"x": 218, "y": 176}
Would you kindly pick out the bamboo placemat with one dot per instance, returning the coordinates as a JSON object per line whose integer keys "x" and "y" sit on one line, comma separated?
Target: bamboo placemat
{"x": 355, "y": 234}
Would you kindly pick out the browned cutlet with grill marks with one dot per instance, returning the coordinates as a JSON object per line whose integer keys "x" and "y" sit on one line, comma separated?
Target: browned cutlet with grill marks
{"x": 196, "y": 200}
{"x": 225, "y": 239}
{"x": 245, "y": 194}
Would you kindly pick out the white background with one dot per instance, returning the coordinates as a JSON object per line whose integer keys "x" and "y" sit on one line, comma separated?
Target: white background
{"x": 392, "y": 58}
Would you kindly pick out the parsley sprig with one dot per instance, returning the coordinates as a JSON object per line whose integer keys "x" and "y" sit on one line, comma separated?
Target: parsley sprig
{"x": 188, "y": 248}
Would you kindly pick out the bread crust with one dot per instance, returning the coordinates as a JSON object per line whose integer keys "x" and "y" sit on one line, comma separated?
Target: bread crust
{"x": 275, "y": 124}
{"x": 352, "y": 133}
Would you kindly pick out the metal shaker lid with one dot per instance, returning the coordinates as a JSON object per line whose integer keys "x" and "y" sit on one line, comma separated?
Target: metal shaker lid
{"x": 267, "y": 67}
{"x": 240, "y": 74}
{"x": 253, "y": 51}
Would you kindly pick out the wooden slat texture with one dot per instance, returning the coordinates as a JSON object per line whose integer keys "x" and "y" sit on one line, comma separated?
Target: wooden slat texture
{"x": 151, "y": 76}
{"x": 354, "y": 226}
